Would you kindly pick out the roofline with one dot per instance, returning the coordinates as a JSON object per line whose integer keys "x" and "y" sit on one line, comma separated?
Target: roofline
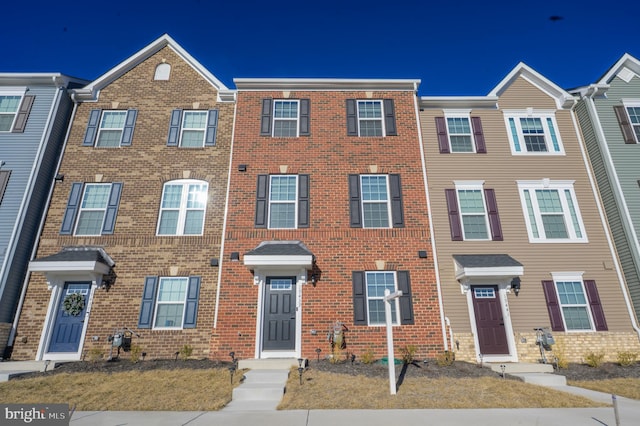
{"x": 459, "y": 102}
{"x": 627, "y": 61}
{"x": 325, "y": 84}
{"x": 91, "y": 91}
{"x": 54, "y": 79}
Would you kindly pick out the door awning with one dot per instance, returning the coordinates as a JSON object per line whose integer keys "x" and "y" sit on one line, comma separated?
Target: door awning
{"x": 75, "y": 259}
{"x": 279, "y": 253}
{"x": 503, "y": 266}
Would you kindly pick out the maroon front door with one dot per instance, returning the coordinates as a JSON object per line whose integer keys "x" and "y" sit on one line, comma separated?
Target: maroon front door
{"x": 492, "y": 336}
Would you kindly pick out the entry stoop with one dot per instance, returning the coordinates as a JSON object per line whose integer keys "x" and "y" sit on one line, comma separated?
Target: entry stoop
{"x": 261, "y": 390}
{"x": 536, "y": 374}
{"x": 11, "y": 369}
{"x": 268, "y": 364}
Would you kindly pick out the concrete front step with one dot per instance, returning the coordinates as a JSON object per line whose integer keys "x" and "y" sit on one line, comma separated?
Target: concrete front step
{"x": 266, "y": 376}
{"x": 520, "y": 367}
{"x": 268, "y": 364}
{"x": 11, "y": 369}
{"x": 258, "y": 392}
{"x": 261, "y": 389}
{"x": 542, "y": 379}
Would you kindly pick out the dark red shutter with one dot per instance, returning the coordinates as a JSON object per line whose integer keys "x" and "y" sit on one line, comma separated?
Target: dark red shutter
{"x": 454, "y": 215}
{"x": 443, "y": 139}
{"x": 494, "y": 218}
{"x": 596, "y": 307}
{"x": 625, "y": 125}
{"x": 550, "y": 295}
{"x": 359, "y": 298}
{"x": 478, "y": 135}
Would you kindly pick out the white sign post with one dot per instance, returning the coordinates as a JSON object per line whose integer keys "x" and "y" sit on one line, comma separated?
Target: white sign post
{"x": 388, "y": 299}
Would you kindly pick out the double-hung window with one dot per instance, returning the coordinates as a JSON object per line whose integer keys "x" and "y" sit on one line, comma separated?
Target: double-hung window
{"x": 14, "y": 110}
{"x": 459, "y": 133}
{"x": 368, "y": 296}
{"x": 91, "y": 209}
{"x": 285, "y": 118}
{"x": 193, "y": 128}
{"x": 282, "y": 201}
{"x": 573, "y": 303}
{"x": 629, "y": 120}
{"x": 371, "y": 118}
{"x": 110, "y": 128}
{"x": 533, "y": 133}
{"x": 169, "y": 302}
{"x": 473, "y": 212}
{"x": 551, "y": 211}
{"x": 375, "y": 201}
{"x": 183, "y": 207}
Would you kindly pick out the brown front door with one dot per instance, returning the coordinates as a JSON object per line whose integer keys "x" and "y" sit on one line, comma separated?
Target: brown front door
{"x": 492, "y": 336}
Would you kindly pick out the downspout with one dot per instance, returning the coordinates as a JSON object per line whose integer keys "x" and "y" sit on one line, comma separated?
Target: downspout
{"x": 600, "y": 138}
{"x": 443, "y": 320}
{"x": 226, "y": 212}
{"x": 12, "y": 334}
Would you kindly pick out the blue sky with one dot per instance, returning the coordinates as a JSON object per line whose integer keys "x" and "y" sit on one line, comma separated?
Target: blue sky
{"x": 459, "y": 47}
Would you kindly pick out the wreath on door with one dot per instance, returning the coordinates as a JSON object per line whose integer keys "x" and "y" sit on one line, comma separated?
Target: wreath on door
{"x": 73, "y": 304}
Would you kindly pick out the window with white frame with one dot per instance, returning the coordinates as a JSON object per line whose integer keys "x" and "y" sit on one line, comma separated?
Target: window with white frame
{"x": 574, "y": 305}
{"x": 370, "y": 122}
{"x": 285, "y": 118}
{"x": 93, "y": 208}
{"x": 473, "y": 212}
{"x": 170, "y": 303}
{"x": 551, "y": 211}
{"x": 376, "y": 284}
{"x": 283, "y": 197}
{"x": 375, "y": 201}
{"x": 9, "y": 105}
{"x": 111, "y": 128}
{"x": 194, "y": 128}
{"x": 460, "y": 134}
{"x": 633, "y": 110}
{"x": 533, "y": 133}
{"x": 183, "y": 207}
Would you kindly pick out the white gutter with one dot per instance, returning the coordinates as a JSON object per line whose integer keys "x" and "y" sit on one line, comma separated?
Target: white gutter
{"x": 443, "y": 319}
{"x": 12, "y": 333}
{"x": 224, "y": 221}
{"x": 600, "y": 137}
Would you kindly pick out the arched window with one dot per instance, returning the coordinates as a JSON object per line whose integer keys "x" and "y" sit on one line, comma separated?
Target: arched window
{"x": 162, "y": 72}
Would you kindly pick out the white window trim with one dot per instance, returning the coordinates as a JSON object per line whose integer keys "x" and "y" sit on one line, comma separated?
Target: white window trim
{"x": 203, "y": 129}
{"x": 81, "y": 209}
{"x": 560, "y": 186}
{"x": 396, "y": 301}
{"x": 543, "y": 115}
{"x": 631, "y": 103}
{"x": 381, "y": 119}
{"x": 297, "y": 119}
{"x": 100, "y": 128}
{"x": 573, "y": 276}
{"x": 182, "y": 214}
{"x": 388, "y": 201}
{"x": 474, "y": 186}
{"x": 158, "y": 303}
{"x": 294, "y": 202}
{"x": 459, "y": 113}
{"x": 13, "y": 91}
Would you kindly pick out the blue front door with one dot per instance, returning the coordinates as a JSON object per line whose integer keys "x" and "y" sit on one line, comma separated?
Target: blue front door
{"x": 67, "y": 327}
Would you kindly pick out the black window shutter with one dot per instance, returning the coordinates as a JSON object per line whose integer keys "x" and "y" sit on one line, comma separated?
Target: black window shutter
{"x": 174, "y": 127}
{"x": 92, "y": 127}
{"x": 4, "y": 181}
{"x": 390, "y": 118}
{"x": 191, "y": 308}
{"x": 148, "y": 302}
{"x": 212, "y": 128}
{"x": 355, "y": 214}
{"x": 265, "y": 120}
{"x": 553, "y": 306}
{"x": 129, "y": 125}
{"x": 494, "y": 217}
{"x": 443, "y": 139}
{"x": 478, "y": 135}
{"x": 352, "y": 118}
{"x": 454, "y": 215}
{"x": 262, "y": 201}
{"x": 112, "y": 209}
{"x": 359, "y": 298}
{"x": 73, "y": 204}
{"x": 406, "y": 306}
{"x": 303, "y": 201}
{"x": 397, "y": 214}
{"x": 596, "y": 307}
{"x": 23, "y": 113}
{"x": 625, "y": 125}
{"x": 305, "y": 125}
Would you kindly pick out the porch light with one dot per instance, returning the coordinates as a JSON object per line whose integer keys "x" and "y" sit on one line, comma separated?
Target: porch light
{"x": 314, "y": 279}
{"x": 515, "y": 285}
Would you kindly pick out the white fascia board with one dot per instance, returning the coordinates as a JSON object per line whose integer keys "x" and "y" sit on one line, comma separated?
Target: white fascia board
{"x": 41, "y": 79}
{"x": 626, "y": 61}
{"x": 87, "y": 266}
{"x": 256, "y": 84}
{"x": 457, "y": 102}
{"x": 506, "y": 271}
{"x": 265, "y": 260}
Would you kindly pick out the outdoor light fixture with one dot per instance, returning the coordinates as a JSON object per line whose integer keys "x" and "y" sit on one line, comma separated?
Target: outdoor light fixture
{"x": 242, "y": 168}
{"x": 515, "y": 285}
{"x": 318, "y": 350}
{"x": 235, "y": 256}
{"x": 314, "y": 279}
{"x": 422, "y": 254}
{"x": 59, "y": 177}
{"x": 300, "y": 368}
{"x": 214, "y": 262}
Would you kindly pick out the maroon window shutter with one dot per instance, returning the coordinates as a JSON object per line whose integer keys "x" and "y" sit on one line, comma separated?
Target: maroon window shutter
{"x": 443, "y": 139}
{"x": 492, "y": 211}
{"x": 553, "y": 306}
{"x": 596, "y": 307}
{"x": 454, "y": 215}
{"x": 625, "y": 125}
{"x": 478, "y": 135}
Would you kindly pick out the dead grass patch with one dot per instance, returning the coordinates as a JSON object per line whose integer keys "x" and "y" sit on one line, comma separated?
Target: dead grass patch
{"x": 627, "y": 387}
{"x": 322, "y": 390}
{"x": 165, "y": 390}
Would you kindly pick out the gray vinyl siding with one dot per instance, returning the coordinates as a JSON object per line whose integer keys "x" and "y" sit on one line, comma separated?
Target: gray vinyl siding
{"x": 500, "y": 170}
{"x": 25, "y": 188}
